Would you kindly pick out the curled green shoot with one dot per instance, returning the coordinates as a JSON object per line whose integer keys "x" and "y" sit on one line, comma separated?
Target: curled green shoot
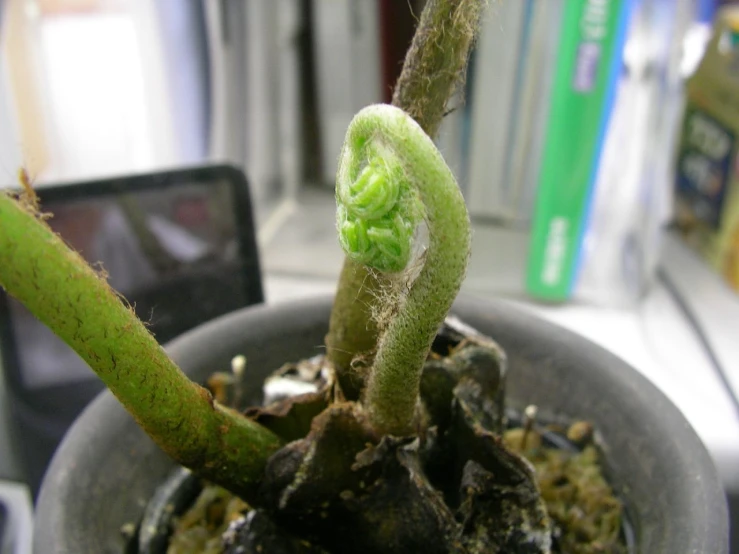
{"x": 433, "y": 70}
{"x": 390, "y": 176}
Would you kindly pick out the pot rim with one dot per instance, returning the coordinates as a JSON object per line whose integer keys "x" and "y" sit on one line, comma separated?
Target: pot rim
{"x": 699, "y": 500}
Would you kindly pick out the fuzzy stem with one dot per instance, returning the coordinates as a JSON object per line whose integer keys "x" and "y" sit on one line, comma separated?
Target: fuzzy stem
{"x": 433, "y": 70}
{"x": 434, "y": 67}
{"x": 352, "y": 328}
{"x": 62, "y": 291}
{"x": 377, "y": 237}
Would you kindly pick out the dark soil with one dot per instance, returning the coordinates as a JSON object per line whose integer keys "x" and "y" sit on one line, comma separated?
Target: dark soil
{"x": 466, "y": 484}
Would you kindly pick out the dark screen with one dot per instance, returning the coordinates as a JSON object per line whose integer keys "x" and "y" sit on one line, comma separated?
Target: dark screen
{"x": 176, "y": 253}
{"x": 179, "y": 246}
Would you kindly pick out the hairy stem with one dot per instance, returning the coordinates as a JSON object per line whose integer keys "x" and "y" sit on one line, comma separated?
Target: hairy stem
{"x": 62, "y": 291}
{"x": 352, "y": 328}
{"x": 433, "y": 70}
{"x": 435, "y": 65}
{"x": 387, "y": 163}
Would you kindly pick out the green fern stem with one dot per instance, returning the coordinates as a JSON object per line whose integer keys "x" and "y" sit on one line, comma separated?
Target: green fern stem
{"x": 387, "y": 165}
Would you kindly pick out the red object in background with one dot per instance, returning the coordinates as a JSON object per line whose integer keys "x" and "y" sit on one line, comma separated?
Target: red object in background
{"x": 192, "y": 211}
{"x": 397, "y": 24}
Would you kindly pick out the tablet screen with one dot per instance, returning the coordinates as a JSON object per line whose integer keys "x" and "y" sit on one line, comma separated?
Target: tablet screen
{"x": 181, "y": 251}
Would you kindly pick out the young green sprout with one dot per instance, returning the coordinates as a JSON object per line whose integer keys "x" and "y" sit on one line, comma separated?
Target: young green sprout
{"x": 391, "y": 175}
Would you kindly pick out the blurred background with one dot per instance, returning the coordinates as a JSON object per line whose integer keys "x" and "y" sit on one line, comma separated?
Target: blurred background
{"x": 599, "y": 163}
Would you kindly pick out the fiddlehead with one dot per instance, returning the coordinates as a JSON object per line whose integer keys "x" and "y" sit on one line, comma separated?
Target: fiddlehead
{"x": 377, "y": 210}
{"x": 390, "y": 175}
{"x": 434, "y": 68}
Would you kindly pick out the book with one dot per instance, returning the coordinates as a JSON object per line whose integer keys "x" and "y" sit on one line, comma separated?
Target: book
{"x": 706, "y": 184}
{"x": 589, "y": 61}
{"x": 493, "y": 92}
{"x": 532, "y": 109}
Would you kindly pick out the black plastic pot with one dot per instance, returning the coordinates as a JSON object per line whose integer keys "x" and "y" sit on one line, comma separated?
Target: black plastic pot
{"x": 107, "y": 469}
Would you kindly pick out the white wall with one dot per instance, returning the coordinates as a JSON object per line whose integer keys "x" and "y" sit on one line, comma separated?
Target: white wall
{"x": 10, "y": 150}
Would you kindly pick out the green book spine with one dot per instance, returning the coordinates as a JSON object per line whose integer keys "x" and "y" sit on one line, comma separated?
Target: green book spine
{"x": 588, "y": 63}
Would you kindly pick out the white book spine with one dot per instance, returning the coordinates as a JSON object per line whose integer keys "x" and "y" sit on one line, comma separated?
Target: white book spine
{"x": 493, "y": 95}
{"x": 533, "y": 112}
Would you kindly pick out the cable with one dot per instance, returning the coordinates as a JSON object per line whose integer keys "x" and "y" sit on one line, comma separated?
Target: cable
{"x": 700, "y": 332}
